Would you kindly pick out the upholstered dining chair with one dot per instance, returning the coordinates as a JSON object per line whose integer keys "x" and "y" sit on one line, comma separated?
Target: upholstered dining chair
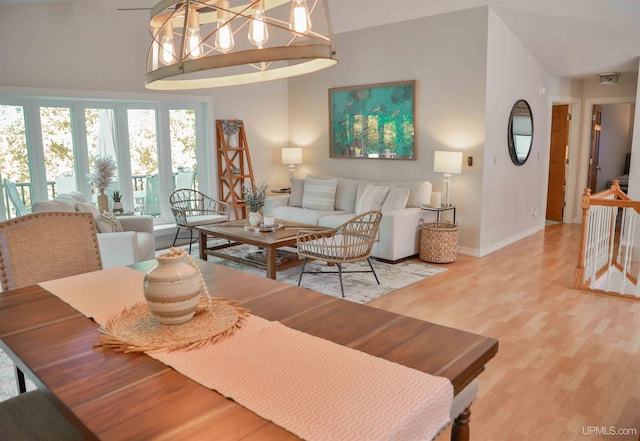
{"x": 350, "y": 242}
{"x": 71, "y": 248}
{"x": 192, "y": 208}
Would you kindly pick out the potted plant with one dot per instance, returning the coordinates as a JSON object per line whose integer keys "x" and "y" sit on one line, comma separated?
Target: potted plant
{"x": 254, "y": 196}
{"x": 103, "y": 169}
{"x": 117, "y": 201}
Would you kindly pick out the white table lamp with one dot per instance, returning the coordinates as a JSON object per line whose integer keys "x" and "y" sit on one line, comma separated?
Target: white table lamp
{"x": 447, "y": 163}
{"x": 292, "y": 156}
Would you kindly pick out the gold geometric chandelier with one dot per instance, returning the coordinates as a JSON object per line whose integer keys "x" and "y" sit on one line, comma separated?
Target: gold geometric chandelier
{"x": 211, "y": 43}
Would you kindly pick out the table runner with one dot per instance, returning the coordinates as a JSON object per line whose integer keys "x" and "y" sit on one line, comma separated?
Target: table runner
{"x": 312, "y": 387}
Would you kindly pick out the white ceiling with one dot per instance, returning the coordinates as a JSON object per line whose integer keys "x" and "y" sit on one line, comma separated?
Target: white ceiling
{"x": 570, "y": 38}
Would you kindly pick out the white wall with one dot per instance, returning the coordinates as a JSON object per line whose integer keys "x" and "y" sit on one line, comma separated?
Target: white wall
{"x": 445, "y": 54}
{"x": 87, "y": 45}
{"x": 634, "y": 171}
{"x": 513, "y": 197}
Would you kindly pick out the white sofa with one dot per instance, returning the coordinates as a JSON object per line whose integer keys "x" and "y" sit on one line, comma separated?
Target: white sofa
{"x": 398, "y": 236}
{"x": 135, "y": 244}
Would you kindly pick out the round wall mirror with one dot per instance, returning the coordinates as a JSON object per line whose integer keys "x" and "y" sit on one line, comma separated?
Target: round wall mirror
{"x": 520, "y": 132}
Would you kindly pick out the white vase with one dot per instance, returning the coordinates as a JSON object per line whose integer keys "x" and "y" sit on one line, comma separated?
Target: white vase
{"x": 117, "y": 207}
{"x": 254, "y": 218}
{"x": 172, "y": 290}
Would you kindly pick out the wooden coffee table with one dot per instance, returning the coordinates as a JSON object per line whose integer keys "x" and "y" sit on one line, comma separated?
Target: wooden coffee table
{"x": 236, "y": 233}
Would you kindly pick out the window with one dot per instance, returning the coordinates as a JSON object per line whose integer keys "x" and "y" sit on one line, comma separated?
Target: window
{"x": 14, "y": 158}
{"x": 47, "y": 146}
{"x": 57, "y": 143}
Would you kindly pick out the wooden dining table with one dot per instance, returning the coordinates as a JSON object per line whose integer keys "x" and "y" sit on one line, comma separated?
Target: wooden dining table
{"x": 117, "y": 396}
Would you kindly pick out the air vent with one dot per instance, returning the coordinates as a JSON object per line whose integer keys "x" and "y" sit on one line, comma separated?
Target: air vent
{"x": 608, "y": 78}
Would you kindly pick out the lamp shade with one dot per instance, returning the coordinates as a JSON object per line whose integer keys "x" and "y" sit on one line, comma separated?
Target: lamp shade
{"x": 292, "y": 155}
{"x": 447, "y": 162}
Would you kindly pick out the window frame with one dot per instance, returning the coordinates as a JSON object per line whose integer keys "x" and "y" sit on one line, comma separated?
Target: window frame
{"x": 77, "y": 102}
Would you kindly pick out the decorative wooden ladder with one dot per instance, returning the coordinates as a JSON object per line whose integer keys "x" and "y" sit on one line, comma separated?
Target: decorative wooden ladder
{"x": 234, "y": 165}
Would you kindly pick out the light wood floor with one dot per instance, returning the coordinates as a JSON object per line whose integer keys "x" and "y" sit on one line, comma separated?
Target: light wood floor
{"x": 568, "y": 365}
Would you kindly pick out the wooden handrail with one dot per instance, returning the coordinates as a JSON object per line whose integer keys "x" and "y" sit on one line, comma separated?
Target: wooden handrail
{"x": 596, "y": 255}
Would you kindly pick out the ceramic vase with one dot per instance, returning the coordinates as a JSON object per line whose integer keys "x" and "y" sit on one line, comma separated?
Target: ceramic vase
{"x": 103, "y": 202}
{"x": 254, "y": 218}
{"x": 172, "y": 290}
{"x": 117, "y": 207}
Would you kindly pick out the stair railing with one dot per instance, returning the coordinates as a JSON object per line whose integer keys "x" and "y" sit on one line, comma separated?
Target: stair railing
{"x": 608, "y": 261}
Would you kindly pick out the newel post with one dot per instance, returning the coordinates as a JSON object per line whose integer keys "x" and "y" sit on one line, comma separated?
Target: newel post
{"x": 585, "y": 203}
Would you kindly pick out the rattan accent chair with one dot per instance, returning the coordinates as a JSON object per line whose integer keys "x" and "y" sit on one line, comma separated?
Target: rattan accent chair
{"x": 192, "y": 208}
{"x": 348, "y": 243}
{"x": 35, "y": 248}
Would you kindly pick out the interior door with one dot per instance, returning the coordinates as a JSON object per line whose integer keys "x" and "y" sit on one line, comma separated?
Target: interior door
{"x": 557, "y": 162}
{"x": 596, "y": 125}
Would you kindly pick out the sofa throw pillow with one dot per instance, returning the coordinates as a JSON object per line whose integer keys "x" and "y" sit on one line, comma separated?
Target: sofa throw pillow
{"x": 297, "y": 190}
{"x": 86, "y": 207}
{"x": 371, "y": 198}
{"x": 396, "y": 199}
{"x": 319, "y": 194}
{"x": 108, "y": 223}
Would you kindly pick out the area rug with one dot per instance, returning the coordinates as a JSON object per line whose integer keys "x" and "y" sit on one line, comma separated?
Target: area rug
{"x": 358, "y": 287}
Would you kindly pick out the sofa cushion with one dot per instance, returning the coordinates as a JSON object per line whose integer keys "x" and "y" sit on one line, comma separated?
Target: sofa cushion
{"x": 371, "y": 198}
{"x": 86, "y": 207}
{"x": 108, "y": 223}
{"x": 319, "y": 194}
{"x": 297, "y": 190}
{"x": 335, "y": 220}
{"x": 346, "y": 192}
{"x": 302, "y": 215}
{"x": 396, "y": 199}
{"x": 419, "y": 191}
{"x": 77, "y": 196}
{"x": 206, "y": 219}
{"x": 55, "y": 205}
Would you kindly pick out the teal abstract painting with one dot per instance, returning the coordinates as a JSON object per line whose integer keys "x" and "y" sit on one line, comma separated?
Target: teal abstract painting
{"x": 373, "y": 121}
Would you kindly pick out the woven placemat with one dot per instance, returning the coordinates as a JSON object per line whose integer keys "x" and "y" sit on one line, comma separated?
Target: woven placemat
{"x": 136, "y": 330}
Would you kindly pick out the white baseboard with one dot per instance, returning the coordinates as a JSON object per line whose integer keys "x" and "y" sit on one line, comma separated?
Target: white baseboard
{"x": 474, "y": 252}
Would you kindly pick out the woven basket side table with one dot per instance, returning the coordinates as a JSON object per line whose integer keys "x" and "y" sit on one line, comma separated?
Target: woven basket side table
{"x": 438, "y": 242}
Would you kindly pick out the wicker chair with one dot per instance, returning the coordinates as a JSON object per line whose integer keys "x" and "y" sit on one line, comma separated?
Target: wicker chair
{"x": 71, "y": 248}
{"x": 191, "y": 208}
{"x": 348, "y": 243}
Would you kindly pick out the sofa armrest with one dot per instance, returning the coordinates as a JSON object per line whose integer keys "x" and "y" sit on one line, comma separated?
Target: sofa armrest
{"x": 118, "y": 249}
{"x": 141, "y": 224}
{"x": 399, "y": 232}
{"x": 281, "y": 200}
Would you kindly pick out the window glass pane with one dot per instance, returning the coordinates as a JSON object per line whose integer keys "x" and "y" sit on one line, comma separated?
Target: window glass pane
{"x": 182, "y": 126}
{"x": 144, "y": 160}
{"x": 58, "y": 149}
{"x": 101, "y": 140}
{"x": 14, "y": 160}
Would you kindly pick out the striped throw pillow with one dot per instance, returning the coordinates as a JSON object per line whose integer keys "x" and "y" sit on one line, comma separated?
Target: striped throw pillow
{"x": 319, "y": 194}
{"x": 371, "y": 198}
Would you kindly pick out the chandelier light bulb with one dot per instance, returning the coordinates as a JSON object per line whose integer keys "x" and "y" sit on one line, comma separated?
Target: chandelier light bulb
{"x": 224, "y": 35}
{"x": 194, "y": 47}
{"x": 300, "y": 21}
{"x": 258, "y": 33}
{"x": 155, "y": 50}
{"x": 167, "y": 50}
